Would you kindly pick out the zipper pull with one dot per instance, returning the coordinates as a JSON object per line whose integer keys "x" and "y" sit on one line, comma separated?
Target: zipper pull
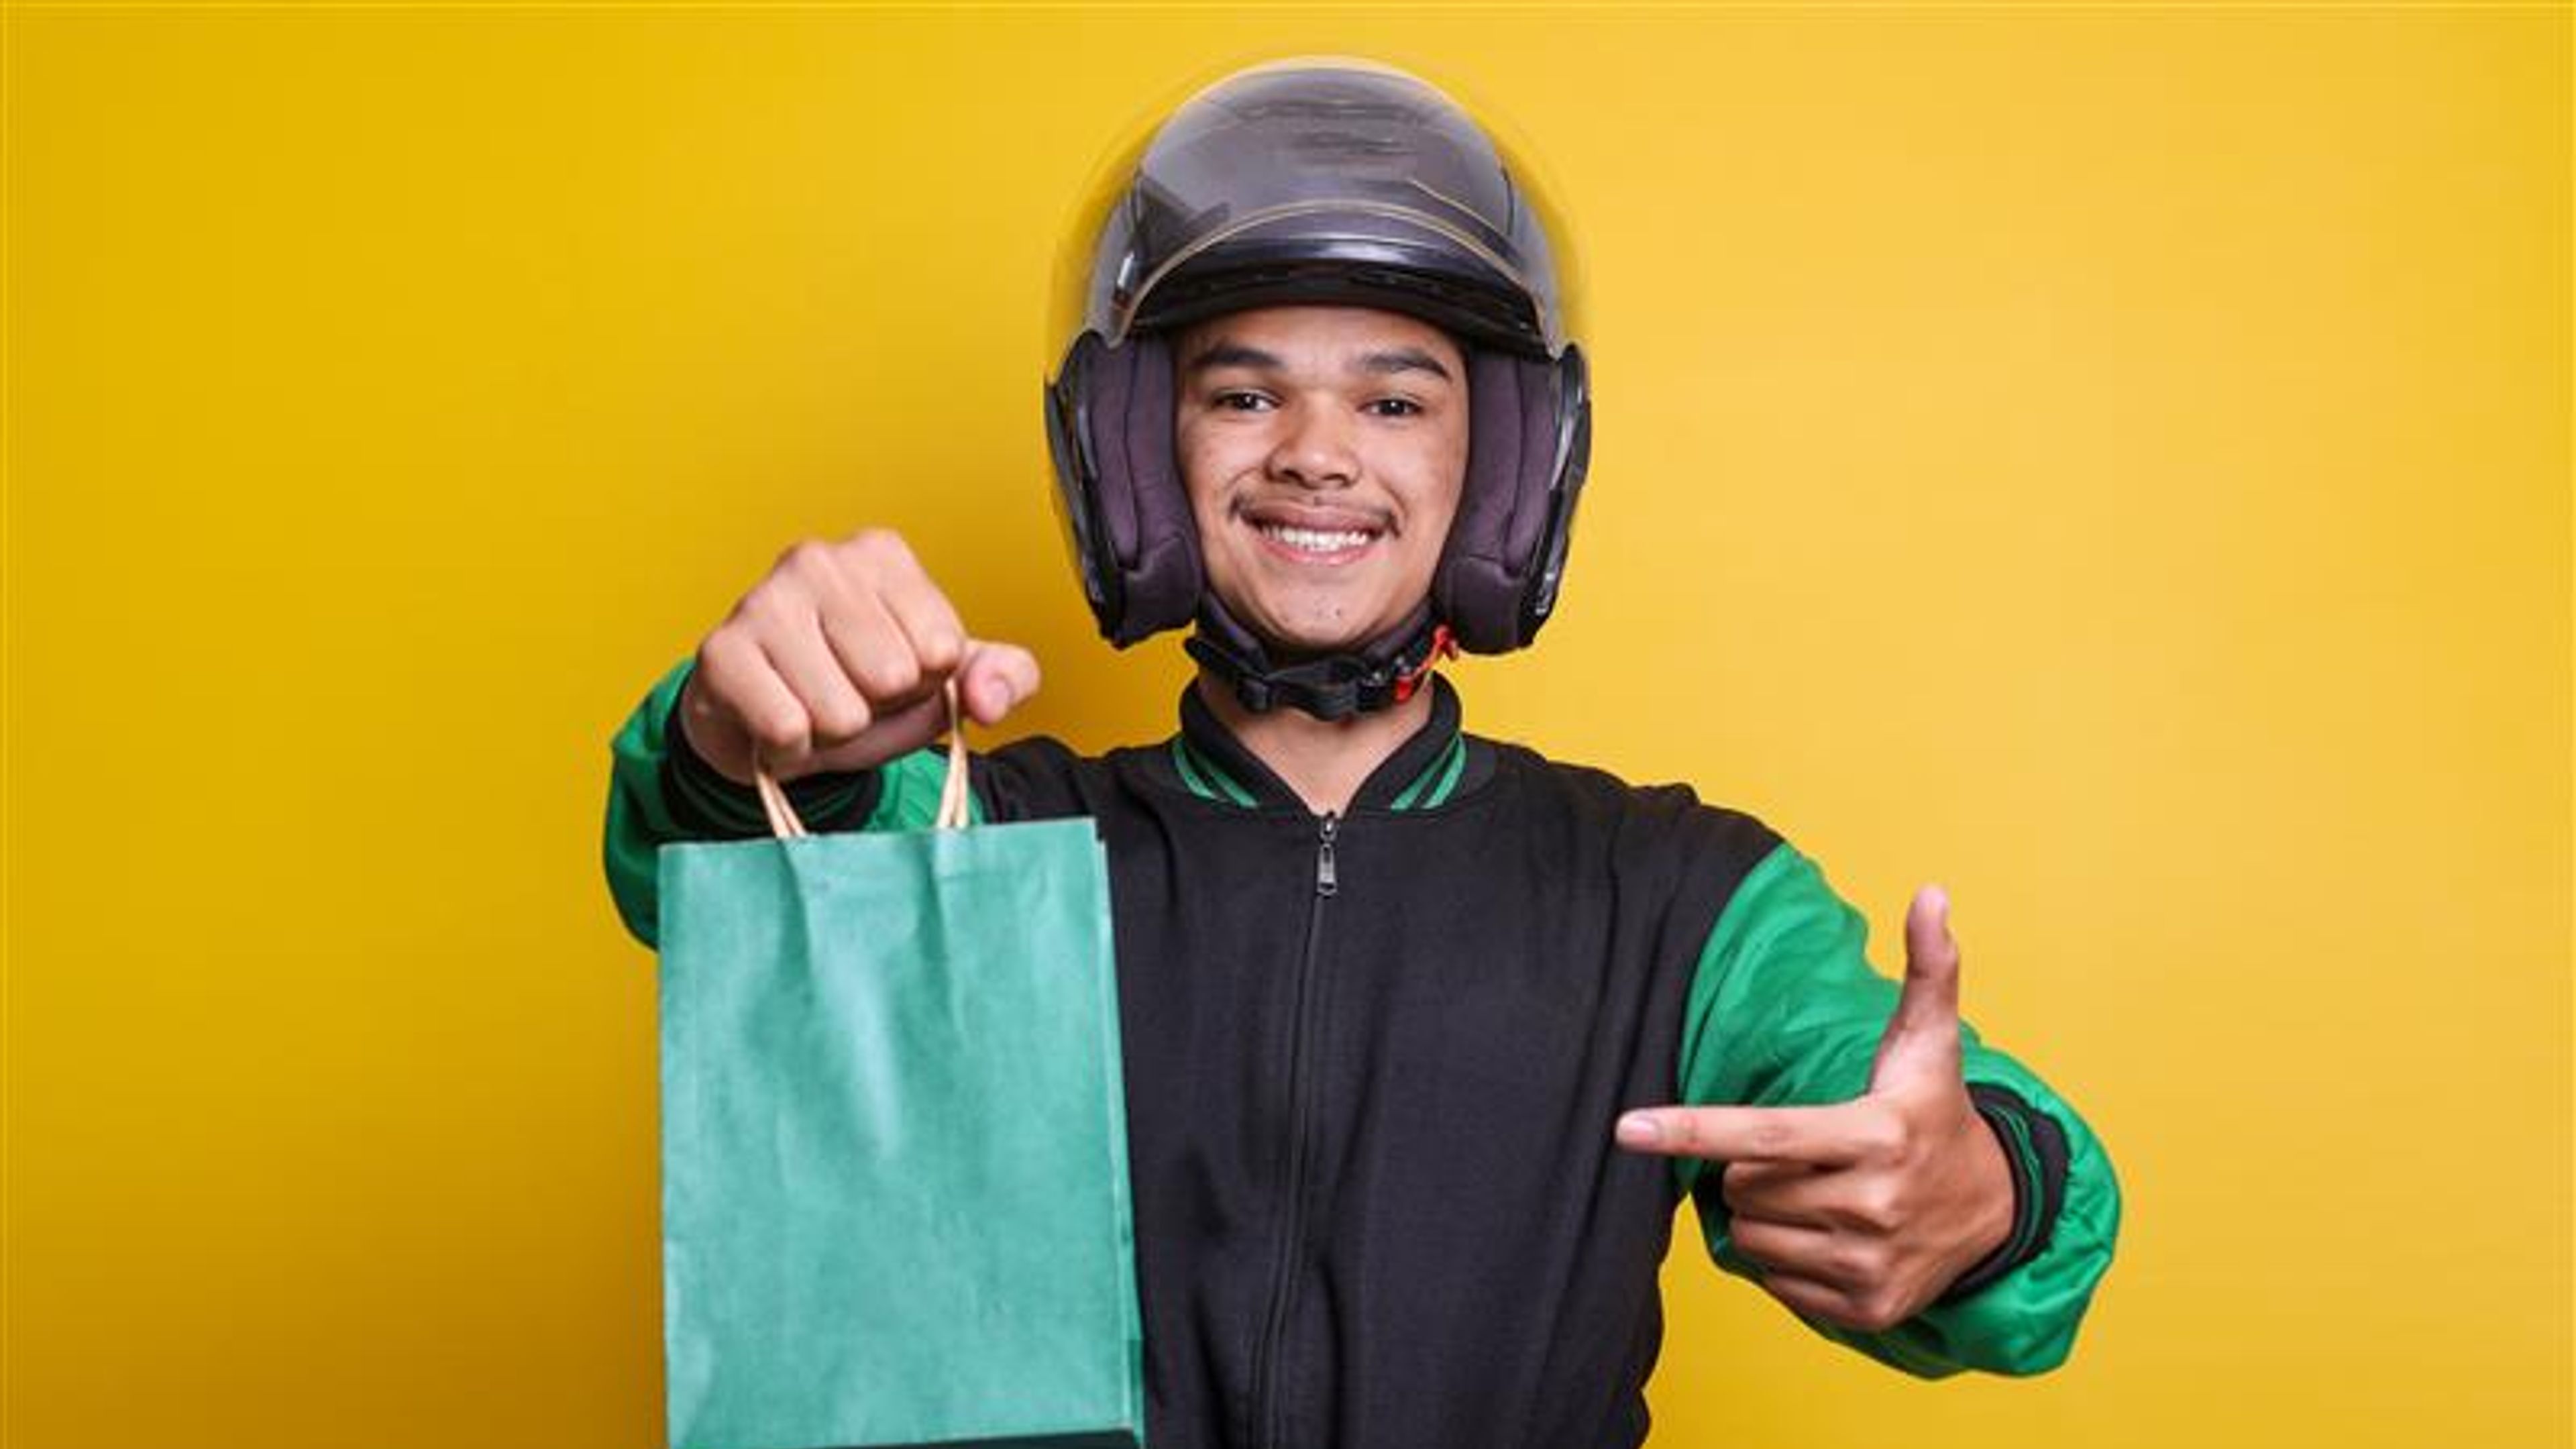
{"x": 1325, "y": 882}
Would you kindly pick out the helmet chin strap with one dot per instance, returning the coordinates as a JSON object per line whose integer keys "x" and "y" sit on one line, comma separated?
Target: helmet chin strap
{"x": 1383, "y": 672}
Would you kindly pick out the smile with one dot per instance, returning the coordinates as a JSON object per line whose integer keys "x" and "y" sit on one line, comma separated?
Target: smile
{"x": 1303, "y": 533}
{"x": 1317, "y": 542}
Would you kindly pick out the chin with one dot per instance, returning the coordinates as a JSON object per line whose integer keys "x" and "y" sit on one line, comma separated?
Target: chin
{"x": 1305, "y": 622}
{"x": 1312, "y": 641}
{"x": 1298, "y": 650}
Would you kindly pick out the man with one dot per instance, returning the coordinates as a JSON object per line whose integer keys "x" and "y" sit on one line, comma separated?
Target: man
{"x": 1404, "y": 1010}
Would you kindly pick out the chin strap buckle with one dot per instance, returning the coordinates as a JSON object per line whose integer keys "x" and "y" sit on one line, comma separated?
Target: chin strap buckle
{"x": 1444, "y": 645}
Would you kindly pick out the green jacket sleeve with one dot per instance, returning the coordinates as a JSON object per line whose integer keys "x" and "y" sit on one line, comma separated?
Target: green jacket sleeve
{"x": 659, "y": 792}
{"x": 1786, "y": 1010}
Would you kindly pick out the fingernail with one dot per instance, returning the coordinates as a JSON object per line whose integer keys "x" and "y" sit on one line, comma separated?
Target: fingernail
{"x": 1637, "y": 1129}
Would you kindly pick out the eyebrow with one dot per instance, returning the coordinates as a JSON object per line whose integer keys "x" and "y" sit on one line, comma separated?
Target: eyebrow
{"x": 1234, "y": 354}
{"x": 1401, "y": 359}
{"x": 1405, "y": 359}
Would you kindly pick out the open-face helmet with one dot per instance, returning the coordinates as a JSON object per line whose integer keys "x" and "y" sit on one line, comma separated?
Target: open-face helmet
{"x": 1319, "y": 181}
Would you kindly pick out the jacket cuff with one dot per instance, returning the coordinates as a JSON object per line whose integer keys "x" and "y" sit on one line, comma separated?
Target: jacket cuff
{"x": 705, "y": 804}
{"x": 2035, "y": 1149}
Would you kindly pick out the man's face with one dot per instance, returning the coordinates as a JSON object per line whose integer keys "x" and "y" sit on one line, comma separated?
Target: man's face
{"x": 1323, "y": 450}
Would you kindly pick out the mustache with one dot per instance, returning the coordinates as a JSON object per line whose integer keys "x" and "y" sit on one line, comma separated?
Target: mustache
{"x": 1303, "y": 512}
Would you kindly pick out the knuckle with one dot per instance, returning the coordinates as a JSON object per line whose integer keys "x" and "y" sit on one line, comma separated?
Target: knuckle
{"x": 1878, "y": 1312}
{"x": 942, "y": 648}
{"x": 893, "y": 672}
{"x": 840, "y": 721}
{"x": 1812, "y": 1303}
{"x": 783, "y": 728}
{"x": 880, "y": 545}
{"x": 770, "y": 602}
{"x": 719, "y": 649}
{"x": 1884, "y": 1134}
{"x": 727, "y": 653}
{"x": 806, "y": 569}
{"x": 1878, "y": 1207}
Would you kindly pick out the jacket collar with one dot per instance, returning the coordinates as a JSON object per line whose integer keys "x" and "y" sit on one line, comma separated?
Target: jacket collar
{"x": 1427, "y": 770}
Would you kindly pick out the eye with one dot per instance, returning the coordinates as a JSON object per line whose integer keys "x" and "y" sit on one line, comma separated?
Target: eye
{"x": 1236, "y": 400}
{"x": 1395, "y": 407}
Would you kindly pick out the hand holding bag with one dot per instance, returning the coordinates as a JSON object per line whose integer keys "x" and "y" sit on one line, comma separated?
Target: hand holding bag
{"x": 895, "y": 1192}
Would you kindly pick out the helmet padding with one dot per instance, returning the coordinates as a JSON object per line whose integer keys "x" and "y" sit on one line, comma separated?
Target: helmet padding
{"x": 1150, "y": 539}
{"x": 1513, "y": 424}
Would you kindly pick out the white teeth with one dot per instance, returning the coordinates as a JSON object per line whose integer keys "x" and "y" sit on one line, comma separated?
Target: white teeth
{"x": 1315, "y": 540}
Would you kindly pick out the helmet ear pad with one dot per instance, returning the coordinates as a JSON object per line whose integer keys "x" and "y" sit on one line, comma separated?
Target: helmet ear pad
{"x": 1143, "y": 535}
{"x": 1496, "y": 581}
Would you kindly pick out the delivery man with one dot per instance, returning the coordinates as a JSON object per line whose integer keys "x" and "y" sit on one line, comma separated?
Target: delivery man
{"x": 1425, "y": 1035}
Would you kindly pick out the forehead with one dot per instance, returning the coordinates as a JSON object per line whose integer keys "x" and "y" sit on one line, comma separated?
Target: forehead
{"x": 1319, "y": 334}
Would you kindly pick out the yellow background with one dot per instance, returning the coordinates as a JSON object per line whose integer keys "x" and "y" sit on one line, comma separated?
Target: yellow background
{"x": 2114, "y": 462}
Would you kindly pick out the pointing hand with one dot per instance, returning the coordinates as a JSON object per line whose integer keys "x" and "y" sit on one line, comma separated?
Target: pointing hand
{"x": 1862, "y": 1212}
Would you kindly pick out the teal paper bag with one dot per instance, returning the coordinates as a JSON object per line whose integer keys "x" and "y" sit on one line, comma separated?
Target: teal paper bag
{"x": 895, "y": 1195}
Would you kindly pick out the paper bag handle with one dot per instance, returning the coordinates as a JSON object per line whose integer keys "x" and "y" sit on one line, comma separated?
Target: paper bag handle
{"x": 952, "y": 791}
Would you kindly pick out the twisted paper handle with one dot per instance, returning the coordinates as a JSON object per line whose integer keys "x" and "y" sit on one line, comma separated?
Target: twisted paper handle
{"x": 952, "y": 791}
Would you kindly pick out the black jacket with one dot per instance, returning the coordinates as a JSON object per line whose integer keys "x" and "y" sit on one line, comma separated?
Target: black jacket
{"x": 1372, "y": 1064}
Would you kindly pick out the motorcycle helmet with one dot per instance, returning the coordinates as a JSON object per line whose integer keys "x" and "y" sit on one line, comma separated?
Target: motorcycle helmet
{"x": 1327, "y": 181}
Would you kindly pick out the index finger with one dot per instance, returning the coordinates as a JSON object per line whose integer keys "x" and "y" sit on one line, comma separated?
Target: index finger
{"x": 1818, "y": 1136}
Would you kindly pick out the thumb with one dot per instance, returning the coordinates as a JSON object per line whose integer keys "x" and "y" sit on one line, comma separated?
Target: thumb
{"x": 1922, "y": 1036}
{"x": 995, "y": 679}
{"x": 992, "y": 680}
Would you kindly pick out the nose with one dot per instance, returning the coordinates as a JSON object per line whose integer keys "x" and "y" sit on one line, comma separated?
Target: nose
{"x": 1314, "y": 448}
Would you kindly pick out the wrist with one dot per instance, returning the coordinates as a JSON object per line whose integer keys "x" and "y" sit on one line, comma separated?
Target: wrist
{"x": 2034, "y": 1158}
{"x": 1994, "y": 1193}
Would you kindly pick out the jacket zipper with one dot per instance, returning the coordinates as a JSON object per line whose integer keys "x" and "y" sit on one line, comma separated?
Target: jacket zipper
{"x": 1269, "y": 1412}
